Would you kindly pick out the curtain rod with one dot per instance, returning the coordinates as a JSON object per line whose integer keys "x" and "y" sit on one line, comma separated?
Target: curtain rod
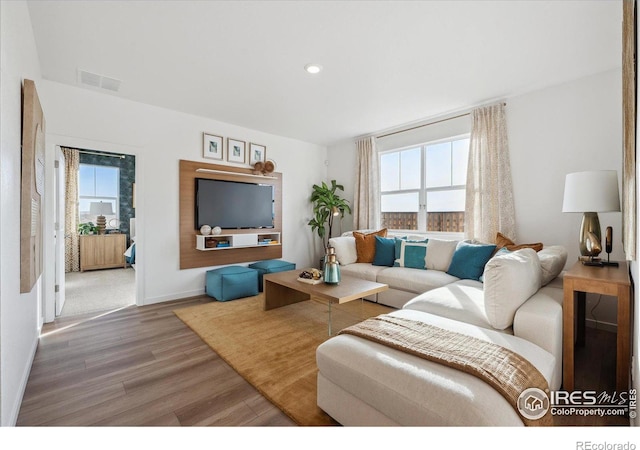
{"x": 101, "y": 154}
{"x": 426, "y": 124}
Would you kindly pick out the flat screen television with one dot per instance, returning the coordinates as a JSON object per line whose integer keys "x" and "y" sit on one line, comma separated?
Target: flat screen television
{"x": 233, "y": 204}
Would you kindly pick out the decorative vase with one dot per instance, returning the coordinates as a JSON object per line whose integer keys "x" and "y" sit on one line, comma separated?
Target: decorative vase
{"x": 331, "y": 272}
{"x": 216, "y": 230}
{"x": 205, "y": 230}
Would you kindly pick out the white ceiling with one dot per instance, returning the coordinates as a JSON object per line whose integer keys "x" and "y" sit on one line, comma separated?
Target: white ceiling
{"x": 385, "y": 63}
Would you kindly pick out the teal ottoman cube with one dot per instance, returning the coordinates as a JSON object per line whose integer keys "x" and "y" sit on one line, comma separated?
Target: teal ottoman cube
{"x": 270, "y": 266}
{"x": 229, "y": 283}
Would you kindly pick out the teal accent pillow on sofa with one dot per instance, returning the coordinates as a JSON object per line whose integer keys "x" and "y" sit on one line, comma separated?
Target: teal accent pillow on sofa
{"x": 398, "y": 246}
{"x": 469, "y": 260}
{"x": 385, "y": 252}
{"x": 413, "y": 255}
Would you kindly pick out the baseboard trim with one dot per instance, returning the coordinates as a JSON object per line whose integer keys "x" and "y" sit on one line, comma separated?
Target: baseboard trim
{"x": 15, "y": 410}
{"x": 174, "y": 296}
{"x": 606, "y": 326}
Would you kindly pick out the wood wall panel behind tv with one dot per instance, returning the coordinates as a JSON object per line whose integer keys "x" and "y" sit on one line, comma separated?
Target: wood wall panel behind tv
{"x": 190, "y": 257}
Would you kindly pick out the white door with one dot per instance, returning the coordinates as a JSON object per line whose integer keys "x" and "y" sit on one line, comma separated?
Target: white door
{"x": 60, "y": 235}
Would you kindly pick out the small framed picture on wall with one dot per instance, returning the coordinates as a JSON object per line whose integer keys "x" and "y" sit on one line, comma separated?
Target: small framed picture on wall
{"x": 236, "y": 151}
{"x": 257, "y": 153}
{"x": 213, "y": 147}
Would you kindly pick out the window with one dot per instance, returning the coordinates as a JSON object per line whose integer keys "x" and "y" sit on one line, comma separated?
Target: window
{"x": 98, "y": 184}
{"x": 423, "y": 187}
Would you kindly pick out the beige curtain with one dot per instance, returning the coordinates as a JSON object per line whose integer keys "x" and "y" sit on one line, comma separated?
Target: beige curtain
{"x": 366, "y": 196}
{"x": 72, "y": 245}
{"x": 629, "y": 209}
{"x": 489, "y": 199}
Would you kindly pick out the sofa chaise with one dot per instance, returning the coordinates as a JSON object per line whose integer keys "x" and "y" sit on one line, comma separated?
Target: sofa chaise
{"x": 511, "y": 296}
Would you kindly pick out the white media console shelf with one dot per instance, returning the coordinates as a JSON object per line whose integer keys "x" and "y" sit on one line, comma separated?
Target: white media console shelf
{"x": 229, "y": 241}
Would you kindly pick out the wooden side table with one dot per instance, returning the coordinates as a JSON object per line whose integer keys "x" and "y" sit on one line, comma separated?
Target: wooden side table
{"x": 608, "y": 280}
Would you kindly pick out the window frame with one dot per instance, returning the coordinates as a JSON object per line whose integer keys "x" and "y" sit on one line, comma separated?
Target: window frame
{"x": 422, "y": 190}
{"x": 116, "y": 199}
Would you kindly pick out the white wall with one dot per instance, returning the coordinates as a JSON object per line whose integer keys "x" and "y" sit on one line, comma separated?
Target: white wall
{"x": 160, "y": 138}
{"x": 20, "y": 314}
{"x": 554, "y": 131}
{"x": 567, "y": 128}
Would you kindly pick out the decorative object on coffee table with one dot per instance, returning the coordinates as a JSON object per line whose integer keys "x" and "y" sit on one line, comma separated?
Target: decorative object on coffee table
{"x": 327, "y": 205}
{"x": 331, "y": 267}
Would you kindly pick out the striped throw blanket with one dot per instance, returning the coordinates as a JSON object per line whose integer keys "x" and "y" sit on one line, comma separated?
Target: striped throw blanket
{"x": 504, "y": 370}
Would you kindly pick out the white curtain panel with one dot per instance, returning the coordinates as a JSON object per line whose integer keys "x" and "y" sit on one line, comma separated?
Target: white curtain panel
{"x": 489, "y": 200}
{"x": 366, "y": 194}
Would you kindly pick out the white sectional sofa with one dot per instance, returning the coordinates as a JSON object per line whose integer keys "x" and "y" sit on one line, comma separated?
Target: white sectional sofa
{"x": 516, "y": 303}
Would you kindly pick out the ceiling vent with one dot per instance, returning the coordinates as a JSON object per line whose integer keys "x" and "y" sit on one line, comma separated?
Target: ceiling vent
{"x": 98, "y": 81}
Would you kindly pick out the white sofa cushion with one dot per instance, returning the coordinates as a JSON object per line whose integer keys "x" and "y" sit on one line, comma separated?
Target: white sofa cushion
{"x": 412, "y": 391}
{"x": 345, "y": 249}
{"x": 439, "y": 254}
{"x": 414, "y": 280}
{"x": 462, "y": 301}
{"x": 364, "y": 271}
{"x": 509, "y": 280}
{"x": 552, "y": 261}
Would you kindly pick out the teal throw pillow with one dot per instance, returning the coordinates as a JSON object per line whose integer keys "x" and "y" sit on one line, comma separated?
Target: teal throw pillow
{"x": 399, "y": 241}
{"x": 469, "y": 260}
{"x": 413, "y": 255}
{"x": 385, "y": 252}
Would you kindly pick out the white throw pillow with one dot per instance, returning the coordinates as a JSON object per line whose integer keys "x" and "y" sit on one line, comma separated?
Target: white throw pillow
{"x": 346, "y": 252}
{"x": 552, "y": 261}
{"x": 439, "y": 254}
{"x": 509, "y": 280}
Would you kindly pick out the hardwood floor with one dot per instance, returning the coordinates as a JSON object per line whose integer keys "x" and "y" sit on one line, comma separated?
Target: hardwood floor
{"x": 137, "y": 367}
{"x": 595, "y": 369}
{"x": 141, "y": 366}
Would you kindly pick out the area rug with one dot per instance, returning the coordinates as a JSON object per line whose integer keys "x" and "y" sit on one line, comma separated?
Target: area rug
{"x": 275, "y": 350}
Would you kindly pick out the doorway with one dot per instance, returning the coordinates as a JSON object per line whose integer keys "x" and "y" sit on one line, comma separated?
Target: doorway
{"x": 95, "y": 228}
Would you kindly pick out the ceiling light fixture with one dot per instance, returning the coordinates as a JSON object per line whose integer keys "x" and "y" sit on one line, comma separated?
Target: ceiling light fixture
{"x": 313, "y": 68}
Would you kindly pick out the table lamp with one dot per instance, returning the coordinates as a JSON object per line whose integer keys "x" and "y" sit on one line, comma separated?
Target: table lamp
{"x": 589, "y": 193}
{"x": 101, "y": 209}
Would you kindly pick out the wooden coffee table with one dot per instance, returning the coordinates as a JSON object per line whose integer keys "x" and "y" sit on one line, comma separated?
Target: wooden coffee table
{"x": 283, "y": 288}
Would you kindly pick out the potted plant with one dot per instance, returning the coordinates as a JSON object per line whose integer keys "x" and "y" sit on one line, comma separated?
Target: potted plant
{"x": 327, "y": 205}
{"x": 87, "y": 228}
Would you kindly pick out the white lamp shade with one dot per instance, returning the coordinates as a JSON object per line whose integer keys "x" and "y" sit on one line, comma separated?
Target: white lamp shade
{"x": 101, "y": 209}
{"x": 594, "y": 191}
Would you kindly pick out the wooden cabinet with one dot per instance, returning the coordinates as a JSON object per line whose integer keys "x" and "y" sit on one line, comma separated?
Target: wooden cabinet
{"x": 103, "y": 251}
